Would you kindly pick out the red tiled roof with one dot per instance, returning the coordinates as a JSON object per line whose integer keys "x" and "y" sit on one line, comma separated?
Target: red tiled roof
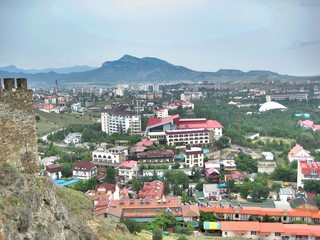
{"x": 306, "y": 123}
{"x": 107, "y": 187}
{"x": 128, "y": 164}
{"x": 201, "y": 123}
{"x": 297, "y": 148}
{"x": 190, "y": 211}
{"x": 156, "y": 121}
{"x": 308, "y": 166}
{"x": 83, "y": 166}
{"x": 54, "y": 168}
{"x": 153, "y": 189}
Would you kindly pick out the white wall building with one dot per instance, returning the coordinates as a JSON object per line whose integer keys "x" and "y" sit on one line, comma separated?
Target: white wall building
{"x": 194, "y": 157}
{"x": 298, "y": 153}
{"x": 109, "y": 157}
{"x": 161, "y": 112}
{"x": 128, "y": 170}
{"x": 73, "y": 138}
{"x": 84, "y": 170}
{"x": 307, "y": 170}
{"x": 120, "y": 121}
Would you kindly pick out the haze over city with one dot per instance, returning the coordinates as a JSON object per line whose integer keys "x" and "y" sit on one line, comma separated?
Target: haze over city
{"x": 280, "y": 36}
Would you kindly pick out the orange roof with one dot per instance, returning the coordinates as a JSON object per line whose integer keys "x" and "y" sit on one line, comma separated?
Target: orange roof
{"x": 264, "y": 211}
{"x": 240, "y": 226}
{"x": 264, "y": 229}
{"x": 190, "y": 211}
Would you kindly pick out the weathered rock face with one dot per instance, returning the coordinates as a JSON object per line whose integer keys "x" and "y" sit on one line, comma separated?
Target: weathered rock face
{"x": 32, "y": 208}
{"x": 18, "y": 139}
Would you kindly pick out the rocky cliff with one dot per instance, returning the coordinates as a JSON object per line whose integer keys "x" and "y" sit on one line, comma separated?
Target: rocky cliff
{"x": 32, "y": 207}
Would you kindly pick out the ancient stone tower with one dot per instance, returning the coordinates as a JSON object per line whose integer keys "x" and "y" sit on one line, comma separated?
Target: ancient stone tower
{"x": 18, "y": 138}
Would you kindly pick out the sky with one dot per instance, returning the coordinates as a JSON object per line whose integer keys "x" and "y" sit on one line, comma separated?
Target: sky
{"x": 204, "y": 35}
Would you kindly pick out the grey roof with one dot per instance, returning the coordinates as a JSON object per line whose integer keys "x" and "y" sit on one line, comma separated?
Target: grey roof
{"x": 118, "y": 148}
{"x": 210, "y": 187}
{"x": 301, "y": 200}
{"x": 286, "y": 191}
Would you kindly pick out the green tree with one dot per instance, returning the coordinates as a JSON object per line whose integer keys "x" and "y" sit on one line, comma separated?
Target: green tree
{"x": 110, "y": 175}
{"x": 312, "y": 186}
{"x": 137, "y": 185}
{"x": 206, "y": 217}
{"x": 157, "y": 234}
{"x": 132, "y": 225}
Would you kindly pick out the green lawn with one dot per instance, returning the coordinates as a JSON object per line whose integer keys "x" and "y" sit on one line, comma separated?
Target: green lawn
{"x": 50, "y": 122}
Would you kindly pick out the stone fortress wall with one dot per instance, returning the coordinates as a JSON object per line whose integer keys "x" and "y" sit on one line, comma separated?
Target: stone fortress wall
{"x": 18, "y": 137}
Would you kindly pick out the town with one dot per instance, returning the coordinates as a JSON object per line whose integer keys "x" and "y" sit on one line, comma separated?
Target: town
{"x": 208, "y": 158}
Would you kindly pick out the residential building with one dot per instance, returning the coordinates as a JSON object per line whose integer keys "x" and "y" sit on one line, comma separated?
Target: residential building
{"x": 307, "y": 170}
{"x": 48, "y": 160}
{"x": 309, "y": 124}
{"x": 191, "y": 137}
{"x": 143, "y": 210}
{"x": 304, "y": 203}
{"x": 228, "y": 165}
{"x": 298, "y": 153}
{"x": 127, "y": 170}
{"x": 286, "y": 194}
{"x": 213, "y": 175}
{"x": 211, "y": 191}
{"x": 267, "y": 230}
{"x": 76, "y": 107}
{"x": 191, "y": 214}
{"x": 188, "y": 96}
{"x": 73, "y": 138}
{"x": 84, "y": 170}
{"x": 108, "y": 189}
{"x": 268, "y": 156}
{"x": 194, "y": 157}
{"x": 152, "y": 190}
{"x": 156, "y": 156}
{"x": 286, "y": 95}
{"x": 158, "y": 128}
{"x": 111, "y": 157}
{"x": 54, "y": 171}
{"x": 183, "y": 104}
{"x": 161, "y": 112}
{"x": 120, "y": 121}
{"x": 244, "y": 213}
{"x": 236, "y": 176}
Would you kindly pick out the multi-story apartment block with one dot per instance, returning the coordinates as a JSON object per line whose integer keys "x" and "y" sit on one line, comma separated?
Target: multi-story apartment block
{"x": 184, "y": 137}
{"x": 120, "y": 121}
{"x": 109, "y": 157}
{"x": 287, "y": 95}
{"x": 187, "y": 96}
{"x": 194, "y": 157}
{"x": 307, "y": 170}
{"x": 161, "y": 112}
{"x": 128, "y": 170}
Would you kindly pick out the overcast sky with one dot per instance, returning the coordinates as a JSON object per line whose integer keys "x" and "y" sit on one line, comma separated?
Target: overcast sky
{"x": 205, "y": 35}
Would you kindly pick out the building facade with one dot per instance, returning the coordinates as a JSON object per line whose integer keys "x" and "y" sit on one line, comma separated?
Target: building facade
{"x": 84, "y": 170}
{"x": 194, "y": 157}
{"x": 109, "y": 157}
{"x": 307, "y": 170}
{"x": 127, "y": 170}
{"x": 120, "y": 121}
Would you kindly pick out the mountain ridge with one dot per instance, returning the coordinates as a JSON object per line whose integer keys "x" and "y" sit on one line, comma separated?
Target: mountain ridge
{"x": 131, "y": 69}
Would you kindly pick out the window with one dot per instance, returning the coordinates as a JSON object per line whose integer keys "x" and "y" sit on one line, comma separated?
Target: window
{"x": 225, "y": 233}
{"x": 253, "y": 233}
{"x": 277, "y": 234}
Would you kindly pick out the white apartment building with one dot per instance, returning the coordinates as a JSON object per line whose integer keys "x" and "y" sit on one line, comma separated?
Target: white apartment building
{"x": 127, "y": 170}
{"x": 161, "y": 112}
{"x": 120, "y": 121}
{"x": 109, "y": 157}
{"x": 307, "y": 170}
{"x": 187, "y": 96}
{"x": 194, "y": 157}
{"x": 184, "y": 137}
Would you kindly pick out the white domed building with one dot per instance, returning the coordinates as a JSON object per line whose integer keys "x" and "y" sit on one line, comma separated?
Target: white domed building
{"x": 271, "y": 106}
